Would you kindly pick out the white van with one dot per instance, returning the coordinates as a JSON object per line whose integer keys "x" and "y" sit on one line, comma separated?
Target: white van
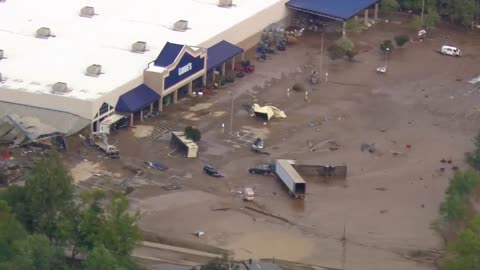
{"x": 248, "y": 194}
{"x": 450, "y": 50}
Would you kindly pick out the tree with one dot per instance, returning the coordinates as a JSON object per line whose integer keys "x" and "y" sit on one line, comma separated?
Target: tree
{"x": 431, "y": 19}
{"x": 119, "y": 232}
{"x": 336, "y": 52}
{"x": 80, "y": 227}
{"x": 389, "y": 6}
{"x": 400, "y": 40}
{"x": 463, "y": 183}
{"x": 474, "y": 158}
{"x": 193, "y": 133}
{"x": 36, "y": 253}
{"x": 345, "y": 43}
{"x": 463, "y": 11}
{"x": 453, "y": 208}
{"x": 466, "y": 249}
{"x": 351, "y": 55}
{"x": 353, "y": 26}
{"x": 386, "y": 46}
{"x": 48, "y": 194}
{"x": 101, "y": 258}
{"x": 10, "y": 231}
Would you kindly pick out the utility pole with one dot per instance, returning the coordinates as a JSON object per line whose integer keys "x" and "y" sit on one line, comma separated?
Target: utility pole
{"x": 231, "y": 115}
{"x": 321, "y": 52}
{"x": 423, "y": 11}
{"x": 344, "y": 245}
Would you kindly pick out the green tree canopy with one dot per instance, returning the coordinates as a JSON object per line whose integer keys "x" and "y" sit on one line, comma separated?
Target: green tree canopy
{"x": 389, "y": 6}
{"x": 119, "y": 232}
{"x": 48, "y": 194}
{"x": 466, "y": 249}
{"x": 101, "y": 258}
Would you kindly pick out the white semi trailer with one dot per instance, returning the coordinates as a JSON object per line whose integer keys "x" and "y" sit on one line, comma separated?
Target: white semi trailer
{"x": 290, "y": 177}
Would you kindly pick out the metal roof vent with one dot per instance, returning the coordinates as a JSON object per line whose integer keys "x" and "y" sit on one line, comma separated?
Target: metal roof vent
{"x": 225, "y": 3}
{"x": 3, "y": 1}
{"x": 181, "y": 25}
{"x": 87, "y": 12}
{"x": 60, "y": 88}
{"x": 94, "y": 70}
{"x": 139, "y": 47}
{"x": 44, "y": 32}
{"x": 1, "y": 78}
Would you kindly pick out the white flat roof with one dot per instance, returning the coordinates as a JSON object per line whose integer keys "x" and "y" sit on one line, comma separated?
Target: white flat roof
{"x": 34, "y": 64}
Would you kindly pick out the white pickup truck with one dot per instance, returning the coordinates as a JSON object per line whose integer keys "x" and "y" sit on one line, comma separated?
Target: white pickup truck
{"x": 109, "y": 149}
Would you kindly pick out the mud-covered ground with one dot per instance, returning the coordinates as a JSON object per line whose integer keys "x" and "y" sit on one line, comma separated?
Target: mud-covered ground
{"x": 423, "y": 110}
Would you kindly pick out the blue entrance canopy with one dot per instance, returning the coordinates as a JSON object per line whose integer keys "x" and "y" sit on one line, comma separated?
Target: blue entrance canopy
{"x": 333, "y": 9}
{"x": 136, "y": 99}
{"x": 168, "y": 54}
{"x": 221, "y": 53}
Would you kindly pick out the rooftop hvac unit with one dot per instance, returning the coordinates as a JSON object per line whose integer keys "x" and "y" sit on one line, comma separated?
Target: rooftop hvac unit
{"x": 225, "y": 3}
{"x": 139, "y": 47}
{"x": 181, "y": 25}
{"x": 43, "y": 32}
{"x": 60, "y": 88}
{"x": 87, "y": 12}
{"x": 1, "y": 78}
{"x": 1, "y": 54}
{"x": 94, "y": 70}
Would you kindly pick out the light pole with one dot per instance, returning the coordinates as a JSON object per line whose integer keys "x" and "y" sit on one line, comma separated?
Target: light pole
{"x": 231, "y": 115}
{"x": 387, "y": 50}
{"x": 321, "y": 52}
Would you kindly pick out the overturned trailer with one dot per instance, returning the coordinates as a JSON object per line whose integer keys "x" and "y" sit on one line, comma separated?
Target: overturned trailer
{"x": 289, "y": 176}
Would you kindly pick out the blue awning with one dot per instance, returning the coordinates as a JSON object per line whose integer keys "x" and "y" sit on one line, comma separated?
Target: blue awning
{"x": 136, "y": 99}
{"x": 221, "y": 53}
{"x": 168, "y": 54}
{"x": 333, "y": 9}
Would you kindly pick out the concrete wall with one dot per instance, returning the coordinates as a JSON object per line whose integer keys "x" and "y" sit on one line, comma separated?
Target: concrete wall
{"x": 154, "y": 80}
{"x": 81, "y": 108}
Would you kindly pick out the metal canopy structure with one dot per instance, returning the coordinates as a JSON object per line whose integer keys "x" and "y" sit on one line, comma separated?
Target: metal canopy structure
{"x": 221, "y": 53}
{"x": 136, "y": 99}
{"x": 340, "y": 10}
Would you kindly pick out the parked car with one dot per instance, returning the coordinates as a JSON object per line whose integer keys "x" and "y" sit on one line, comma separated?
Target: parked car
{"x": 248, "y": 194}
{"x": 210, "y": 170}
{"x": 261, "y": 169}
{"x": 450, "y": 50}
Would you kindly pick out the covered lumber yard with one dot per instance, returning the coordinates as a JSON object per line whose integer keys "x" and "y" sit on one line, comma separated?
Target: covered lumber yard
{"x": 372, "y": 153}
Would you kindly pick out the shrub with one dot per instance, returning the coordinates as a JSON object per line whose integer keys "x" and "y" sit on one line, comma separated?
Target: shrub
{"x": 299, "y": 87}
{"x": 463, "y": 183}
{"x": 453, "y": 208}
{"x": 345, "y": 43}
{"x": 474, "y": 158}
{"x": 353, "y": 25}
{"x": 387, "y": 45}
{"x": 193, "y": 133}
{"x": 458, "y": 193}
{"x": 389, "y": 6}
{"x": 400, "y": 40}
{"x": 336, "y": 52}
{"x": 351, "y": 54}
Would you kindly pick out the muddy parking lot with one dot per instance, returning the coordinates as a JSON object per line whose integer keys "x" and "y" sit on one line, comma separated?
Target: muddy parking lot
{"x": 424, "y": 109}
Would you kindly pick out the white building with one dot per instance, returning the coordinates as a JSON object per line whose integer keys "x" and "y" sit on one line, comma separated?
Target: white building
{"x": 70, "y": 63}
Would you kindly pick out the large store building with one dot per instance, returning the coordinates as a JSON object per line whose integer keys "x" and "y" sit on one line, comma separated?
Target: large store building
{"x": 74, "y": 63}
{"x": 71, "y": 64}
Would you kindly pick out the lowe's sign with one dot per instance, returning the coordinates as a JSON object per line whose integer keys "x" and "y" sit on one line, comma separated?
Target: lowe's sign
{"x": 186, "y": 67}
